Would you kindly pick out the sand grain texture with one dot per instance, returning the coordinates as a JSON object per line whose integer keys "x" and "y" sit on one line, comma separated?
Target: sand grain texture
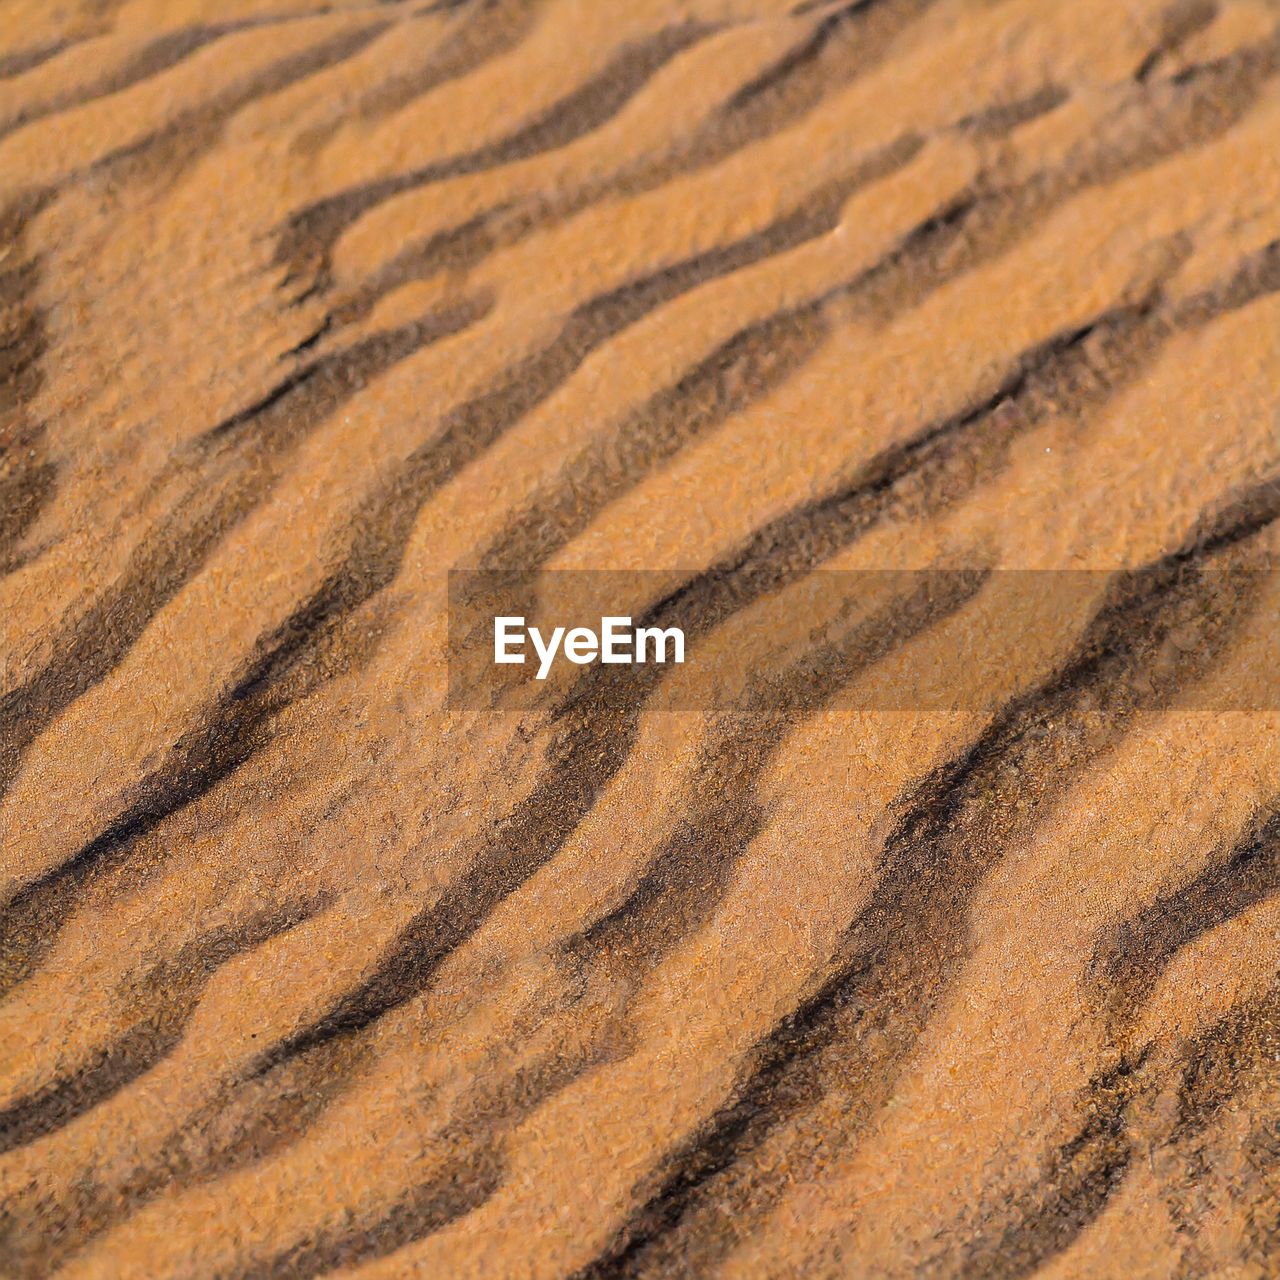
{"x": 942, "y": 948}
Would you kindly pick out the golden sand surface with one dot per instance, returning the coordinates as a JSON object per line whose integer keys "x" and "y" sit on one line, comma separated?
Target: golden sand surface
{"x": 940, "y": 948}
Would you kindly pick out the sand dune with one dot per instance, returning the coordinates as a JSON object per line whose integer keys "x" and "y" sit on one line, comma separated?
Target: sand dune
{"x": 889, "y": 934}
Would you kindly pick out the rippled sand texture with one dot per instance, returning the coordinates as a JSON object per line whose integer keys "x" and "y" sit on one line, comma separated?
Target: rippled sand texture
{"x": 304, "y": 972}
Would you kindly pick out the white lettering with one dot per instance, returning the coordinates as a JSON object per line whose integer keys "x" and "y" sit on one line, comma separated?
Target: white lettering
{"x": 613, "y": 643}
{"x": 659, "y": 638}
{"x": 611, "y": 633}
{"x": 581, "y": 645}
{"x": 546, "y": 652}
{"x": 506, "y": 633}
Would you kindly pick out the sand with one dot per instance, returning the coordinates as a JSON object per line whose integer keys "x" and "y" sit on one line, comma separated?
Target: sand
{"x": 920, "y": 359}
